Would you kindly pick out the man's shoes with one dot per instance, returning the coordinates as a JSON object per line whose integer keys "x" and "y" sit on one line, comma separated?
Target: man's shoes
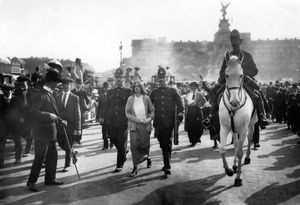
{"x": 167, "y": 171}
{"x": 256, "y": 145}
{"x": 193, "y": 144}
{"x": 66, "y": 169}
{"x": 54, "y": 182}
{"x": 118, "y": 169}
{"x": 149, "y": 162}
{"x": 104, "y": 148}
{"x": 32, "y": 187}
{"x": 134, "y": 172}
{"x": 25, "y": 155}
{"x": 111, "y": 145}
{"x": 18, "y": 161}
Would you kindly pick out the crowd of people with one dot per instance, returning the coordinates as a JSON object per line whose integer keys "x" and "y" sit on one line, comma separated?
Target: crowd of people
{"x": 45, "y": 110}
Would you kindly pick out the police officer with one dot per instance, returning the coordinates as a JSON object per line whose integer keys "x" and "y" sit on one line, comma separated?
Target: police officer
{"x": 250, "y": 71}
{"x": 116, "y": 119}
{"x": 165, "y": 99}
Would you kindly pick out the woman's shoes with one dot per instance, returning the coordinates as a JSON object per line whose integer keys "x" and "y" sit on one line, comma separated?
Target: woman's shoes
{"x": 134, "y": 172}
{"x": 149, "y": 162}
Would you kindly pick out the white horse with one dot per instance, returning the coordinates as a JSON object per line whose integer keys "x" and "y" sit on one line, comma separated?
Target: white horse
{"x": 237, "y": 115}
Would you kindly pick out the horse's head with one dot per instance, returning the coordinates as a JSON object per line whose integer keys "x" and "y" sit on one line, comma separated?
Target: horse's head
{"x": 234, "y": 80}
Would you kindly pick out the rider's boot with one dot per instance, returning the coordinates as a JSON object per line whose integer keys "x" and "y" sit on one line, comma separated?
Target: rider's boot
{"x": 261, "y": 114}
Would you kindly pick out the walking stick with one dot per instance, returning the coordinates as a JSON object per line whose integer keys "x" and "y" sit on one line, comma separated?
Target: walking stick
{"x": 73, "y": 155}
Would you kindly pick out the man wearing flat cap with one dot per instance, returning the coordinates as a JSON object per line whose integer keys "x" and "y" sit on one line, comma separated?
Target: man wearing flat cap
{"x": 167, "y": 107}
{"x": 46, "y": 116}
{"x": 117, "y": 120}
{"x": 250, "y": 71}
{"x": 69, "y": 110}
{"x": 83, "y": 103}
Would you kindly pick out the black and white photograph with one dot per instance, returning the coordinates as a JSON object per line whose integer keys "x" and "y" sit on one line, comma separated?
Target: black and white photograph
{"x": 150, "y": 102}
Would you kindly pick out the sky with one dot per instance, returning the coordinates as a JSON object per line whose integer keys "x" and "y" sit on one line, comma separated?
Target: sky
{"x": 93, "y": 29}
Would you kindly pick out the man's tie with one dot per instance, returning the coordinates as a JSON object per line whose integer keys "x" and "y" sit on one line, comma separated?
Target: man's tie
{"x": 193, "y": 98}
{"x": 64, "y": 99}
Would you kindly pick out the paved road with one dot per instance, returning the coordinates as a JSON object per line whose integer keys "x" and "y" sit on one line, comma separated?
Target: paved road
{"x": 273, "y": 177}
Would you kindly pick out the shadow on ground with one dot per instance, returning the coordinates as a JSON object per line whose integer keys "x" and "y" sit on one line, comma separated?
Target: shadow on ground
{"x": 274, "y": 194}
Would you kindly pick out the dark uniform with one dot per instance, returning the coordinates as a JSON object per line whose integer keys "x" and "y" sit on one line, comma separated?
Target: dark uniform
{"x": 164, "y": 100}
{"x": 116, "y": 119}
{"x": 102, "y": 114}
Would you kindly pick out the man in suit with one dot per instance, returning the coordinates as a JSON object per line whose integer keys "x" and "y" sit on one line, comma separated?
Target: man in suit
{"x": 117, "y": 120}
{"x": 7, "y": 122}
{"x": 69, "y": 110}
{"x": 83, "y": 103}
{"x": 165, "y": 99}
{"x": 45, "y": 113}
{"x": 102, "y": 113}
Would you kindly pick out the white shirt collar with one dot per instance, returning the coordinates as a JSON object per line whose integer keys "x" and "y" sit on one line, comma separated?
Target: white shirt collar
{"x": 48, "y": 89}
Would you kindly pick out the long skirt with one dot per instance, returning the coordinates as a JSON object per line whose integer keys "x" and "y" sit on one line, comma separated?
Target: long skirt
{"x": 194, "y": 124}
{"x": 139, "y": 143}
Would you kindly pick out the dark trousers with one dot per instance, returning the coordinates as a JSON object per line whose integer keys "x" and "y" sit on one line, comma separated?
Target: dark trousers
{"x": 68, "y": 151}
{"x": 256, "y": 133}
{"x": 118, "y": 136}
{"x": 18, "y": 147}
{"x": 78, "y": 138}
{"x": 44, "y": 151}
{"x": 164, "y": 136}
{"x": 29, "y": 139}
{"x": 105, "y": 136}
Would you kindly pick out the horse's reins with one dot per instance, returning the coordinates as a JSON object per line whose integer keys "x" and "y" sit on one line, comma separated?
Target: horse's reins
{"x": 230, "y": 110}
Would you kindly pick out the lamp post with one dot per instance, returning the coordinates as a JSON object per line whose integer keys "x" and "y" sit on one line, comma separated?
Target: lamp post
{"x": 121, "y": 49}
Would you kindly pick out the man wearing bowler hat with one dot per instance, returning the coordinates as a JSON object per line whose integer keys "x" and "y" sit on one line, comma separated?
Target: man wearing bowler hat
{"x": 45, "y": 113}
{"x": 165, "y": 100}
{"x": 117, "y": 120}
{"x": 69, "y": 110}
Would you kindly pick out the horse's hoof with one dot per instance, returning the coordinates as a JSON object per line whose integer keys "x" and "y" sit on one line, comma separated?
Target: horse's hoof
{"x": 234, "y": 168}
{"x": 247, "y": 160}
{"x": 238, "y": 182}
{"x": 229, "y": 171}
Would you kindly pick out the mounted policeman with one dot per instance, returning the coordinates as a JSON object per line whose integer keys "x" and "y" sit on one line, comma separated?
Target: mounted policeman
{"x": 250, "y": 71}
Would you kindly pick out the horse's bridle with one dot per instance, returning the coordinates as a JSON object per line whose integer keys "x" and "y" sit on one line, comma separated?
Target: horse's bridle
{"x": 235, "y": 88}
{"x": 232, "y": 109}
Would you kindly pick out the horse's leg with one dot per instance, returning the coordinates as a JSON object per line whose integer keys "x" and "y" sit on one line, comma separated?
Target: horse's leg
{"x": 250, "y": 137}
{"x": 223, "y": 137}
{"x": 238, "y": 180}
{"x": 235, "y": 141}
